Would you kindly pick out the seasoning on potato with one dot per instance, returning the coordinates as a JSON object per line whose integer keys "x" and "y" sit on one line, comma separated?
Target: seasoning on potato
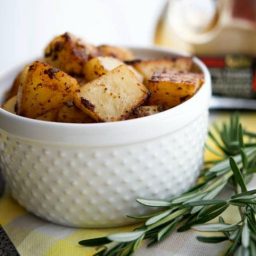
{"x": 171, "y": 88}
{"x": 99, "y": 66}
{"x": 43, "y": 88}
{"x": 69, "y": 113}
{"x": 146, "y": 111}
{"x": 148, "y": 67}
{"x": 69, "y": 53}
{"x": 77, "y": 82}
{"x": 113, "y": 96}
{"x": 116, "y": 52}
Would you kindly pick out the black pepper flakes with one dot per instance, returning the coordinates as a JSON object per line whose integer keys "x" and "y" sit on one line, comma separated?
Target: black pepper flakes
{"x": 87, "y": 104}
{"x": 132, "y": 62}
{"x": 51, "y": 72}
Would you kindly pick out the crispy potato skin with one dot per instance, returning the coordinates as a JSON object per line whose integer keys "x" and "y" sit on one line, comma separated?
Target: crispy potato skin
{"x": 113, "y": 96}
{"x": 69, "y": 113}
{"x": 116, "y": 52}
{"x": 148, "y": 67}
{"x": 10, "y": 105}
{"x": 69, "y": 53}
{"x": 99, "y": 66}
{"x": 44, "y": 88}
{"x": 146, "y": 111}
{"x": 172, "y": 88}
{"x": 49, "y": 116}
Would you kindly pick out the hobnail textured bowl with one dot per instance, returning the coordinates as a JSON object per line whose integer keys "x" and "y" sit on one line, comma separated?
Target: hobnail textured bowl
{"x": 89, "y": 175}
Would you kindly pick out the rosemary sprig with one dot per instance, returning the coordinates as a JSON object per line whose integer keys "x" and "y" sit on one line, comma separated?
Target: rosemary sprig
{"x": 235, "y": 149}
{"x": 243, "y": 233}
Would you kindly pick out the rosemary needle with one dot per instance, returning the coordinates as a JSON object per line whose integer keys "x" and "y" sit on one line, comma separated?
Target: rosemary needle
{"x": 235, "y": 149}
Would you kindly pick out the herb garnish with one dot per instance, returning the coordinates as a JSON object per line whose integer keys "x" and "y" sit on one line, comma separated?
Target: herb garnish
{"x": 235, "y": 150}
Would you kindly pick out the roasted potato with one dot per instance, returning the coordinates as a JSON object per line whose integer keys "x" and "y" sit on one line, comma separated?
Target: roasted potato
{"x": 146, "y": 111}
{"x": 76, "y": 82}
{"x": 116, "y": 52}
{"x": 136, "y": 73}
{"x": 148, "y": 67}
{"x": 80, "y": 80}
{"x": 15, "y": 86}
{"x": 69, "y": 53}
{"x": 99, "y": 66}
{"x": 44, "y": 88}
{"x": 113, "y": 96}
{"x": 183, "y": 64}
{"x": 69, "y": 113}
{"x": 51, "y": 115}
{"x": 10, "y": 105}
{"x": 172, "y": 88}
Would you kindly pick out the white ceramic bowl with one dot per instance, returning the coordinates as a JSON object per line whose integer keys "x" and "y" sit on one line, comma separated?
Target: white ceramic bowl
{"x": 89, "y": 175}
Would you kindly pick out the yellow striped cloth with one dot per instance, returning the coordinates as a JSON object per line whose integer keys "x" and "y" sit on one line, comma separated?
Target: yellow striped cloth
{"x": 35, "y": 237}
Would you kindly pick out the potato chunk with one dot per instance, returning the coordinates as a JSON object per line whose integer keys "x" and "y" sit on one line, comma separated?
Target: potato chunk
{"x": 146, "y": 110}
{"x": 10, "y": 105}
{"x": 49, "y": 116}
{"x": 136, "y": 73}
{"x": 71, "y": 114}
{"x": 113, "y": 96}
{"x": 184, "y": 64}
{"x": 44, "y": 88}
{"x": 172, "y": 88}
{"x": 99, "y": 66}
{"x": 15, "y": 86}
{"x": 69, "y": 53}
{"x": 148, "y": 67}
{"x": 116, "y": 52}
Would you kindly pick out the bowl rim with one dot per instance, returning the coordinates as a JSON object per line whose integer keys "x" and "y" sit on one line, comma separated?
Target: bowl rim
{"x": 142, "y": 121}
